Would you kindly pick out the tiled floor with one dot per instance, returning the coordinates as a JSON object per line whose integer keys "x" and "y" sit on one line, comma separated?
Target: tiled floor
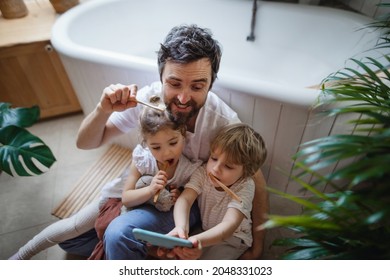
{"x": 26, "y": 202}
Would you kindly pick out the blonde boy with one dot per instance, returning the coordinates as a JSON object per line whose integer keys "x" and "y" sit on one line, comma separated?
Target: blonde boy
{"x": 237, "y": 152}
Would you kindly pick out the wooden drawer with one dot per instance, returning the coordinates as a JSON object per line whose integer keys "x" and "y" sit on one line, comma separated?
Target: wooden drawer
{"x": 33, "y": 74}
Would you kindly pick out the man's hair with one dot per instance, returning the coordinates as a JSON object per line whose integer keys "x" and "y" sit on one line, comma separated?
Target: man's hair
{"x": 242, "y": 145}
{"x": 188, "y": 43}
{"x": 153, "y": 121}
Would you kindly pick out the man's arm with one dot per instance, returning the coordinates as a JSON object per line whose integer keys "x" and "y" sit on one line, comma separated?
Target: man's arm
{"x": 259, "y": 211}
{"x": 96, "y": 130}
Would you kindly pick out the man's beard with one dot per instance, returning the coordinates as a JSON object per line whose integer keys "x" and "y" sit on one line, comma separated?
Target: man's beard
{"x": 181, "y": 117}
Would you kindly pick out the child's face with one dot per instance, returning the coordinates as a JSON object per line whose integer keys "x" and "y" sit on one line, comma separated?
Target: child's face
{"x": 166, "y": 146}
{"x": 225, "y": 172}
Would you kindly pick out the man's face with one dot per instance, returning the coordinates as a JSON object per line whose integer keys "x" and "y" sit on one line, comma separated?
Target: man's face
{"x": 185, "y": 88}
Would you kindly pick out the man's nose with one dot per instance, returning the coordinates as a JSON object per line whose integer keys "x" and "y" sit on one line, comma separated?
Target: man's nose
{"x": 184, "y": 97}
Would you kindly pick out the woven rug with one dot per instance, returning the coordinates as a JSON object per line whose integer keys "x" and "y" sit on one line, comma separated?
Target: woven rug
{"x": 87, "y": 188}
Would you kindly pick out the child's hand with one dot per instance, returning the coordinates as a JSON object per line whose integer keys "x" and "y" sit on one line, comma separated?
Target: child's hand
{"x": 174, "y": 193}
{"x": 168, "y": 253}
{"x": 158, "y": 182}
{"x": 178, "y": 232}
{"x": 184, "y": 253}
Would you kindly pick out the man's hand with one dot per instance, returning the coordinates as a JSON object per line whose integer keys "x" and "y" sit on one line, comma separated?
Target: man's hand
{"x": 118, "y": 98}
{"x": 185, "y": 253}
{"x": 164, "y": 253}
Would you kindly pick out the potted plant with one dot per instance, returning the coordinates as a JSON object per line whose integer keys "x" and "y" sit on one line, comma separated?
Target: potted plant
{"x": 21, "y": 153}
{"x": 353, "y": 220}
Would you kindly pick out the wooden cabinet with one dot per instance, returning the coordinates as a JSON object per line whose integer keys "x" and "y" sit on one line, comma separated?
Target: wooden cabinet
{"x": 33, "y": 74}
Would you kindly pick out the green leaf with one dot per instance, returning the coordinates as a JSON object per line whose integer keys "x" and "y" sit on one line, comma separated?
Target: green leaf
{"x": 301, "y": 242}
{"x": 23, "y": 117}
{"x": 301, "y": 201}
{"x": 365, "y": 169}
{"x": 376, "y": 217}
{"x": 307, "y": 254}
{"x": 18, "y": 146}
{"x": 300, "y": 221}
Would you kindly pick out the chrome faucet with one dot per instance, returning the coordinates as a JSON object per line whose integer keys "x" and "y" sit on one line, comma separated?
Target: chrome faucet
{"x": 251, "y": 36}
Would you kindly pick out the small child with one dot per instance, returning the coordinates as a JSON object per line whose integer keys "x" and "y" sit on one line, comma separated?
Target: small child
{"x": 158, "y": 162}
{"x": 237, "y": 153}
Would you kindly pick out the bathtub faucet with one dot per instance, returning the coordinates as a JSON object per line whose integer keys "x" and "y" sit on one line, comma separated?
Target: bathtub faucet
{"x": 251, "y": 36}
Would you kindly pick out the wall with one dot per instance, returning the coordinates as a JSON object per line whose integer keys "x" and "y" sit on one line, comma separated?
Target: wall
{"x": 366, "y": 7}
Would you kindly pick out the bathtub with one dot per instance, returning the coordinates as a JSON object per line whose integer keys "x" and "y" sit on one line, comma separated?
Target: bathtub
{"x": 270, "y": 82}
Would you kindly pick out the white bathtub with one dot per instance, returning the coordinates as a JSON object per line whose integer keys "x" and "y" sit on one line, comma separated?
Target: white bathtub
{"x": 296, "y": 46}
{"x": 266, "y": 81}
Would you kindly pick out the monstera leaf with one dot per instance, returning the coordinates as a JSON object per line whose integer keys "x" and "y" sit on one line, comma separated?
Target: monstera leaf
{"x": 22, "y": 117}
{"x": 22, "y": 153}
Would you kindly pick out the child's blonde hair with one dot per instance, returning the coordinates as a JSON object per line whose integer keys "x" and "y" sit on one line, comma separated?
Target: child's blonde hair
{"x": 242, "y": 145}
{"x": 153, "y": 121}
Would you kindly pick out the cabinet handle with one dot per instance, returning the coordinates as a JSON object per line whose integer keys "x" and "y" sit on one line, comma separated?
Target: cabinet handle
{"x": 49, "y": 48}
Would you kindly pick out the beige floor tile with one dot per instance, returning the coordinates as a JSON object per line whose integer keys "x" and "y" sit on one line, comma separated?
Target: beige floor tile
{"x": 26, "y": 202}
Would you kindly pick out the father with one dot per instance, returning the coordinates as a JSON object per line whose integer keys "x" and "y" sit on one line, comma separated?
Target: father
{"x": 188, "y": 63}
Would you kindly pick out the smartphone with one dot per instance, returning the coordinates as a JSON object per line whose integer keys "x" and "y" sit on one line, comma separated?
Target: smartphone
{"x": 160, "y": 240}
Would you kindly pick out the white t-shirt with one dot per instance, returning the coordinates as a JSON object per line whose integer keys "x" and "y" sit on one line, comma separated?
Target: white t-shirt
{"x": 212, "y": 116}
{"x": 147, "y": 165}
{"x": 213, "y": 204}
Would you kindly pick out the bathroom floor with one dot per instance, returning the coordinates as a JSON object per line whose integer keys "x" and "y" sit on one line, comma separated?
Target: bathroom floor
{"x": 26, "y": 202}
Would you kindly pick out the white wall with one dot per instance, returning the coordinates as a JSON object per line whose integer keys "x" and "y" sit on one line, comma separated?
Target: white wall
{"x": 366, "y": 7}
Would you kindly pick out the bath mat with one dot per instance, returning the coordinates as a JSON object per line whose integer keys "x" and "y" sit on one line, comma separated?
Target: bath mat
{"x": 88, "y": 187}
